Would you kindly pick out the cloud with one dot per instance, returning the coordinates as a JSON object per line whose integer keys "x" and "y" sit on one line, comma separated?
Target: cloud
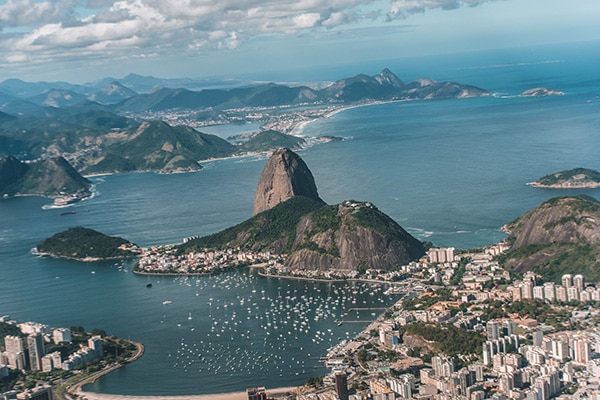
{"x": 36, "y": 31}
{"x": 403, "y": 8}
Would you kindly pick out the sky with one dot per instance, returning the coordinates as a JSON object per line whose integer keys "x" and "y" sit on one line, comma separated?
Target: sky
{"x": 83, "y": 40}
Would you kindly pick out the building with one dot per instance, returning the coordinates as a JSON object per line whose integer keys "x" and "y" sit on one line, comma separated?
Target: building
{"x": 95, "y": 343}
{"x": 341, "y": 385}
{"x": 257, "y": 393}
{"x": 38, "y": 393}
{"x": 444, "y": 255}
{"x": 492, "y": 329}
{"x": 15, "y": 352}
{"x": 578, "y": 281}
{"x": 61, "y": 335}
{"x": 35, "y": 343}
{"x": 567, "y": 280}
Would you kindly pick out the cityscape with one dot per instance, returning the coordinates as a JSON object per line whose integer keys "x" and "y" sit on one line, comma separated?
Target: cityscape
{"x": 549, "y": 348}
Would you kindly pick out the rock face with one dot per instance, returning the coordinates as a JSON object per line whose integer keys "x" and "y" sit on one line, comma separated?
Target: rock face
{"x": 558, "y": 220}
{"x": 285, "y": 175}
{"x": 351, "y": 236}
{"x": 560, "y": 236}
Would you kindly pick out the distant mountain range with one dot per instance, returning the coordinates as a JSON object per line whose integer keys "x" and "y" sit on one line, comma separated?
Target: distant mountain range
{"x": 95, "y": 126}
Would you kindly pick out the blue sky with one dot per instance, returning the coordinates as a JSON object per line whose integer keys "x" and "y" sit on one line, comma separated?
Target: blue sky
{"x": 83, "y": 40}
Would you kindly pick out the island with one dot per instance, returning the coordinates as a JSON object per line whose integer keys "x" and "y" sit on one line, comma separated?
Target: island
{"x": 86, "y": 244}
{"x": 541, "y": 92}
{"x": 577, "y": 178}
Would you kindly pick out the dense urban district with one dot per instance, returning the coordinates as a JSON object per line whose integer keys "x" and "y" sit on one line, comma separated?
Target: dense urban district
{"x": 464, "y": 329}
{"x": 40, "y": 362}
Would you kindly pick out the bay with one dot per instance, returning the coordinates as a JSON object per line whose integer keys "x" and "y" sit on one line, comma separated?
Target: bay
{"x": 449, "y": 171}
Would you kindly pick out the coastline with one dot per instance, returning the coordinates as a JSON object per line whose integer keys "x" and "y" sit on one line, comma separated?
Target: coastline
{"x": 74, "y": 390}
{"x": 276, "y": 393}
{"x": 589, "y": 185}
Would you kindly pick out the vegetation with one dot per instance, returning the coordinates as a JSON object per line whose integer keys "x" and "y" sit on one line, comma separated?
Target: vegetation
{"x": 558, "y": 259}
{"x": 531, "y": 308}
{"x": 80, "y": 243}
{"x": 315, "y": 381}
{"x": 448, "y": 339}
{"x": 555, "y": 238}
{"x": 49, "y": 177}
{"x": 8, "y": 330}
{"x": 268, "y": 140}
{"x": 274, "y": 229}
{"x": 576, "y": 175}
{"x": 459, "y": 272}
{"x": 324, "y": 219}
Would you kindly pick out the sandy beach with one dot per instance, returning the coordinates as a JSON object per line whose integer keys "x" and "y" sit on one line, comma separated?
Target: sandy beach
{"x": 276, "y": 393}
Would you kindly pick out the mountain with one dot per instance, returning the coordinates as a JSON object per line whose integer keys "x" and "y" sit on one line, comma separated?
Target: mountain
{"x": 284, "y": 176}
{"x": 21, "y": 89}
{"x": 111, "y": 93}
{"x": 351, "y": 236}
{"x": 156, "y": 146}
{"x": 560, "y": 236}
{"x": 360, "y": 88}
{"x": 58, "y": 98}
{"x": 14, "y": 105}
{"x": 52, "y": 177}
{"x": 348, "y": 236}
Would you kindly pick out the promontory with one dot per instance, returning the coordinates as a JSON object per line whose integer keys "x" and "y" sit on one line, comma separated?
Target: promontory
{"x": 577, "y": 178}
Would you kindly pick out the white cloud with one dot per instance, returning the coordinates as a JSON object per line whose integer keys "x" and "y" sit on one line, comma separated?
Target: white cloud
{"x": 403, "y": 8}
{"x": 71, "y": 29}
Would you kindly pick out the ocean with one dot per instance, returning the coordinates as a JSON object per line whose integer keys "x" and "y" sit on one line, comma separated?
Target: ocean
{"x": 452, "y": 172}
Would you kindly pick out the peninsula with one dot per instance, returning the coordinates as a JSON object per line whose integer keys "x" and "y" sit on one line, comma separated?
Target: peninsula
{"x": 577, "y": 178}
{"x": 294, "y": 230}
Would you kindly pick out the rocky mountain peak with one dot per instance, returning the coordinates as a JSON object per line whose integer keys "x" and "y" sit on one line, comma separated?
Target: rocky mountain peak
{"x": 388, "y": 77}
{"x": 285, "y": 175}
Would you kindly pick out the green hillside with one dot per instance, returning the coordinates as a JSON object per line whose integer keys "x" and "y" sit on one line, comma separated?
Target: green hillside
{"x": 85, "y": 243}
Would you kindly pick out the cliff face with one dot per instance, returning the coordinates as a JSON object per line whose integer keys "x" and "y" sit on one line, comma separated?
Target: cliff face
{"x": 351, "y": 236}
{"x": 558, "y": 220}
{"x": 560, "y": 236}
{"x": 285, "y": 175}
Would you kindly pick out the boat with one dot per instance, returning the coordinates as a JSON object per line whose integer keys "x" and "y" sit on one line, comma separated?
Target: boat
{"x": 167, "y": 302}
{"x": 67, "y": 213}
{"x": 148, "y": 285}
{"x": 190, "y": 316}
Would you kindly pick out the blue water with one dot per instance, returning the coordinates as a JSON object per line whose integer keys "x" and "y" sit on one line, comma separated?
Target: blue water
{"x": 452, "y": 172}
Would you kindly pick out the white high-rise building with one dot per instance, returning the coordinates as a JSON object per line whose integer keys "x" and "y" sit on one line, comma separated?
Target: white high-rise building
{"x": 578, "y": 281}
{"x": 61, "y": 335}
{"x": 549, "y": 292}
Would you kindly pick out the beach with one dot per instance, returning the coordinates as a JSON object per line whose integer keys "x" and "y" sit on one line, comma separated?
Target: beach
{"x": 276, "y": 393}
